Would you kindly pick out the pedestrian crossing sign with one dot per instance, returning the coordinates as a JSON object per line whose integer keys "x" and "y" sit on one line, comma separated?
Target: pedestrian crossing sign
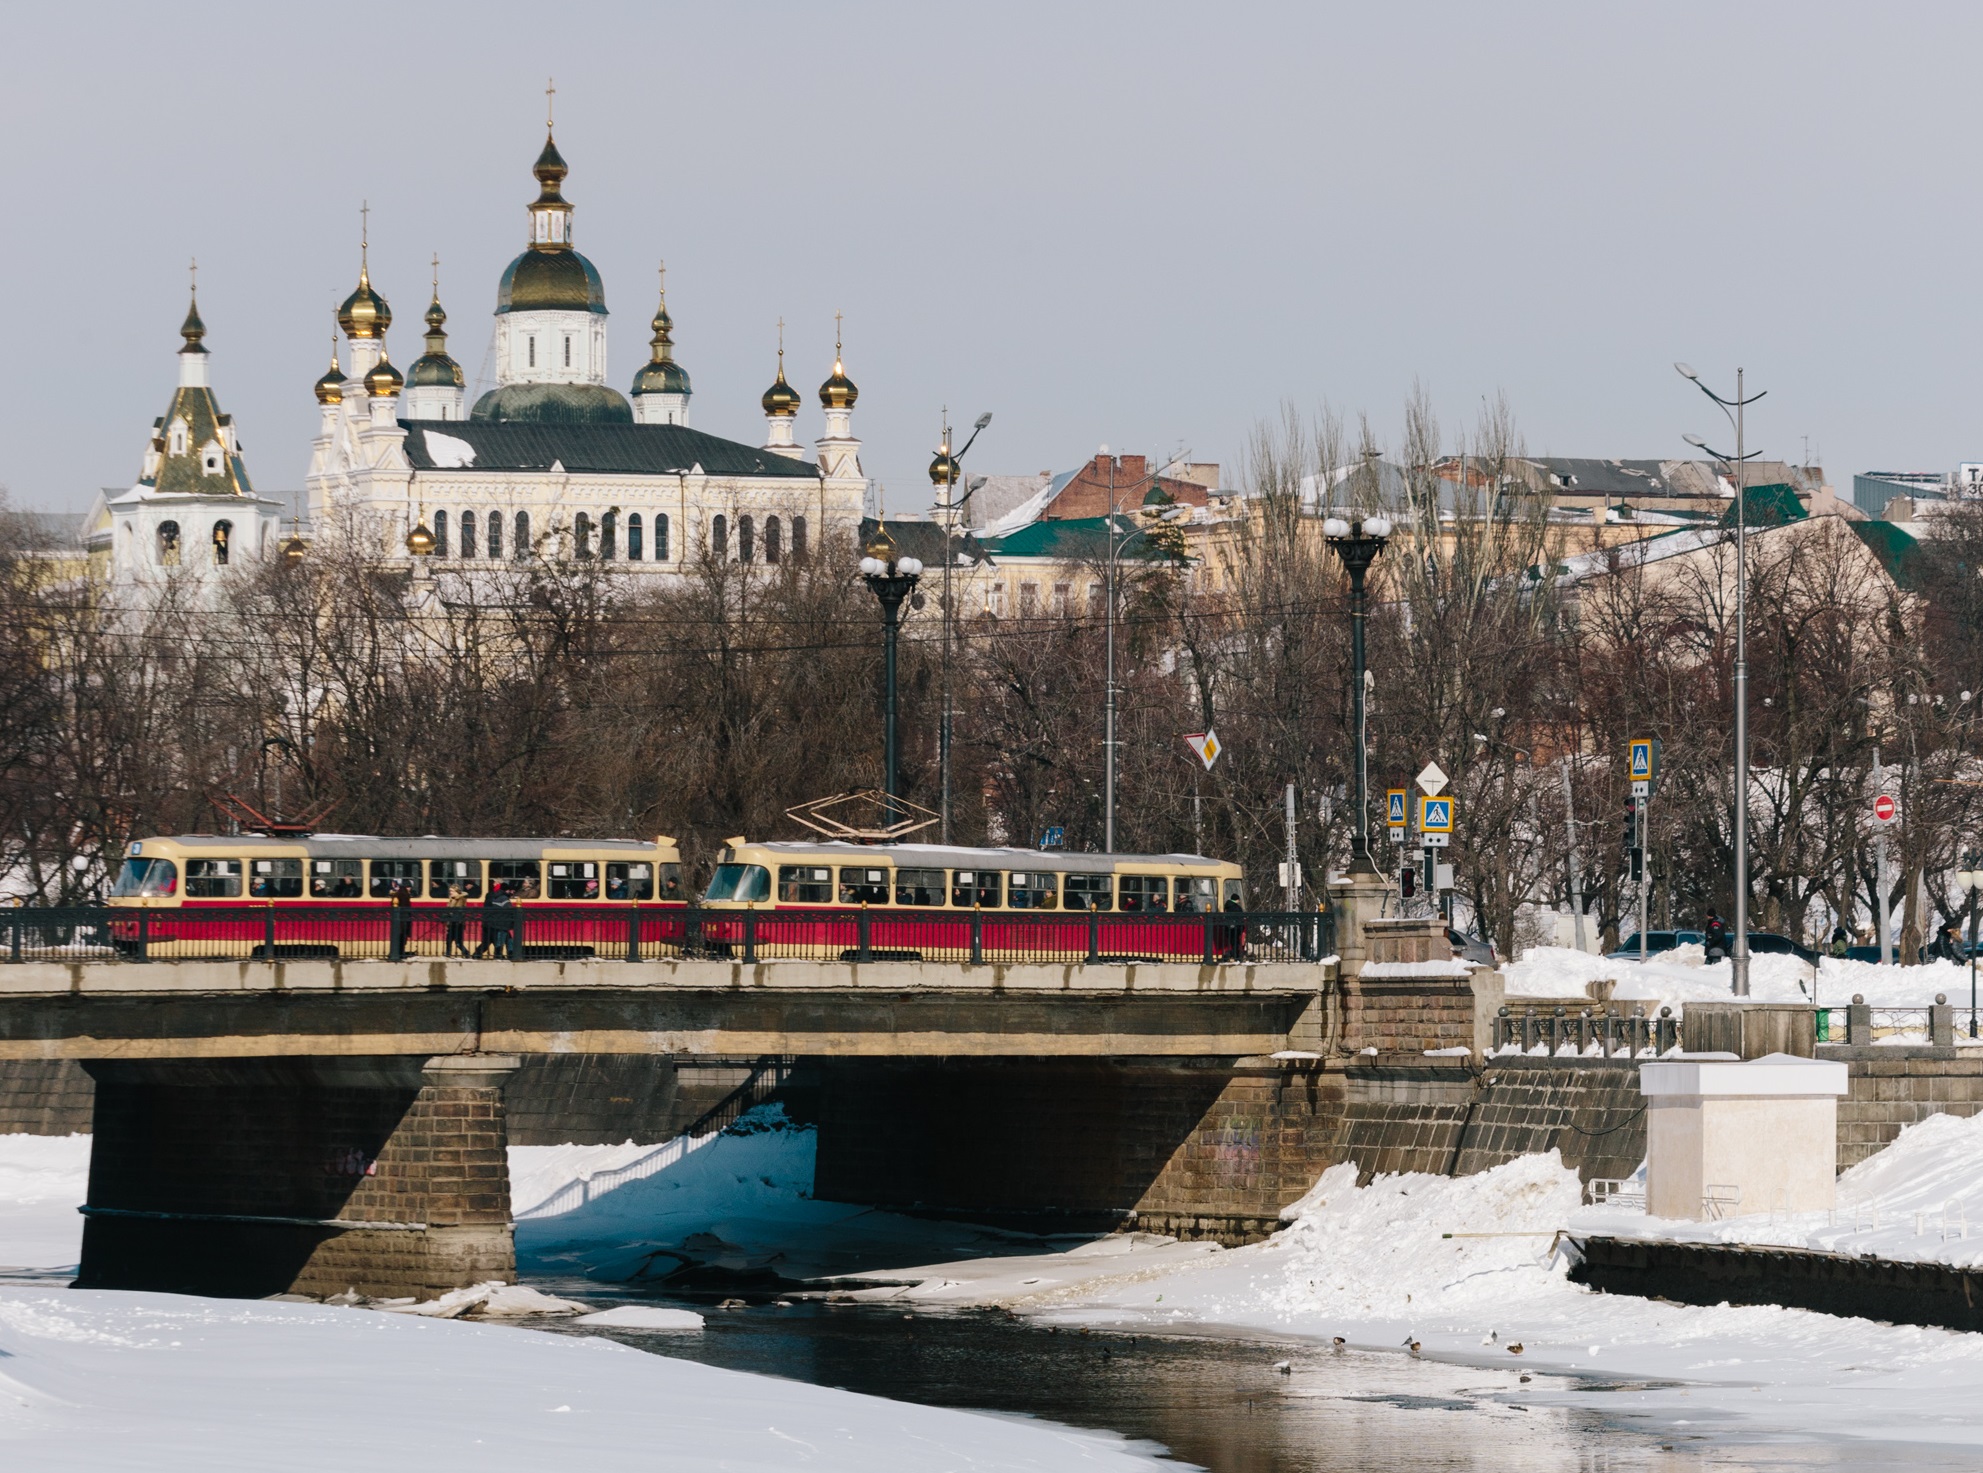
{"x": 1645, "y": 760}
{"x": 1435, "y": 815}
{"x": 1395, "y": 801}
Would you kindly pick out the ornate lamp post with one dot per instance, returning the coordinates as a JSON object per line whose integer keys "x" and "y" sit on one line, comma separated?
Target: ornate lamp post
{"x": 945, "y": 471}
{"x": 1357, "y": 544}
{"x": 892, "y": 578}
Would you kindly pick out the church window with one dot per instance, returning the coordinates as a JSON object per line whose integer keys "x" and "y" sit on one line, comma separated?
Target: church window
{"x": 522, "y": 537}
{"x": 633, "y": 537}
{"x": 440, "y": 534}
{"x": 468, "y": 534}
{"x": 532, "y": 342}
{"x": 178, "y": 437}
{"x": 210, "y": 460}
{"x": 772, "y": 540}
{"x": 168, "y": 544}
{"x": 719, "y": 537}
{"x": 660, "y": 537}
{"x": 746, "y": 540}
{"x": 1029, "y": 600}
{"x": 581, "y": 535}
{"x": 609, "y": 536}
{"x": 223, "y": 533}
{"x": 495, "y": 534}
{"x": 567, "y": 350}
{"x": 798, "y": 539}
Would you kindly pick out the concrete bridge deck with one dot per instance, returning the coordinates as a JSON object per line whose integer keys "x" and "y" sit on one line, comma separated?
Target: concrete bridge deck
{"x": 250, "y": 1009}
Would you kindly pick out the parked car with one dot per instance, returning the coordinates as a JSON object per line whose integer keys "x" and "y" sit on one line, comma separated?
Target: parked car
{"x": 1768, "y": 943}
{"x": 1471, "y": 948}
{"x": 1656, "y": 942}
{"x": 1862, "y": 953}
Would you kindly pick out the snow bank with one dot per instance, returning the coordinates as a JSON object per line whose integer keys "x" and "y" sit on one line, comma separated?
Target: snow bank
{"x": 1682, "y": 976}
{"x": 643, "y": 1317}
{"x": 43, "y": 1180}
{"x": 102, "y": 1381}
{"x": 493, "y": 1300}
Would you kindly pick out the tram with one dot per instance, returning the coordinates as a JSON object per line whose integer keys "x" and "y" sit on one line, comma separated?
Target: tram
{"x": 938, "y": 901}
{"x": 329, "y": 895}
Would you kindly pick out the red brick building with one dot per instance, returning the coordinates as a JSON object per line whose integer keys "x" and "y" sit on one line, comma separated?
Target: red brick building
{"x": 1129, "y": 480}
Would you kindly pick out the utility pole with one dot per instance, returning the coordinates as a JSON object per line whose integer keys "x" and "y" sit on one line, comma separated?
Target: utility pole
{"x": 1576, "y": 859}
{"x": 1293, "y": 875}
{"x": 1108, "y": 718}
{"x": 945, "y": 470}
{"x": 1882, "y": 909}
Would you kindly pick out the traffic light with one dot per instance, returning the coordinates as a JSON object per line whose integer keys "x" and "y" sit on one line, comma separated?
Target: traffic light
{"x": 1631, "y": 838}
{"x": 1408, "y": 881}
{"x": 1638, "y": 865}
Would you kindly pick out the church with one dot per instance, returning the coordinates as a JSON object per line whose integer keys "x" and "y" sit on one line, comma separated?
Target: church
{"x": 554, "y": 462}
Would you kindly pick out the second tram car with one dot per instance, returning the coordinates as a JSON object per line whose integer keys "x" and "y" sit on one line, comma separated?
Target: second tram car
{"x": 928, "y": 899}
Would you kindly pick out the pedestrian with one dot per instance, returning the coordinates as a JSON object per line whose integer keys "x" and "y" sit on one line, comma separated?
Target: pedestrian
{"x": 1717, "y": 937}
{"x": 1951, "y": 942}
{"x": 1841, "y": 939}
{"x": 491, "y": 926}
{"x": 499, "y": 920}
{"x": 457, "y": 921}
{"x": 402, "y": 917}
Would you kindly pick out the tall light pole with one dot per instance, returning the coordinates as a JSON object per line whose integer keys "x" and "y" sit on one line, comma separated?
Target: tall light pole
{"x": 944, "y": 473}
{"x": 892, "y": 578}
{"x": 1739, "y": 960}
{"x": 1357, "y": 544}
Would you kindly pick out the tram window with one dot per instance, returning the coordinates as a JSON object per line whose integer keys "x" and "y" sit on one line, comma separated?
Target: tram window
{"x": 744, "y": 882}
{"x": 213, "y": 879}
{"x": 969, "y": 887}
{"x": 336, "y": 879}
{"x": 387, "y": 873}
{"x": 625, "y": 881}
{"x": 1145, "y": 892}
{"x": 805, "y": 884}
{"x": 1090, "y": 892}
{"x": 275, "y": 879}
{"x": 145, "y": 879}
{"x": 671, "y": 882}
{"x": 863, "y": 886}
{"x": 1196, "y": 894}
{"x": 444, "y": 874}
{"x": 919, "y": 887}
{"x": 576, "y": 879}
{"x": 1234, "y": 900}
{"x": 518, "y": 876}
{"x": 1033, "y": 890}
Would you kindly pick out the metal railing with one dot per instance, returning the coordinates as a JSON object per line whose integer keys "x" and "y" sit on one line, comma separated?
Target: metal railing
{"x": 643, "y": 932}
{"x": 1608, "y": 1034}
{"x": 1861, "y": 1023}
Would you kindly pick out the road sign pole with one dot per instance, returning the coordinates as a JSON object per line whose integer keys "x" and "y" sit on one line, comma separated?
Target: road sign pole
{"x": 1642, "y": 817}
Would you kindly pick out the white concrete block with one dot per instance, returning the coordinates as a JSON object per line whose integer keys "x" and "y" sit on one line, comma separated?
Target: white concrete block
{"x": 1730, "y": 1137}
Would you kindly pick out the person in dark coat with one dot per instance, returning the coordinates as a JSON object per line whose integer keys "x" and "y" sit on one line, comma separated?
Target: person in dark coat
{"x": 499, "y": 924}
{"x": 1717, "y": 937}
{"x": 402, "y": 917}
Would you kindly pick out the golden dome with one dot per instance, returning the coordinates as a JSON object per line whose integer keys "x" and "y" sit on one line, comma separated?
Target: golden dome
{"x": 881, "y": 545}
{"x": 838, "y": 392}
{"x": 420, "y": 542}
{"x": 781, "y": 400}
{"x": 661, "y": 374}
{"x": 434, "y": 368}
{"x": 192, "y": 329}
{"x": 943, "y": 470}
{"x": 293, "y": 550}
{"x": 364, "y": 313}
{"x": 384, "y": 380}
{"x": 330, "y": 388}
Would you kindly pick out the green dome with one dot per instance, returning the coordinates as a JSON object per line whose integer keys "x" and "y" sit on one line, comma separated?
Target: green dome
{"x": 551, "y": 281}
{"x": 434, "y": 371}
{"x": 553, "y": 404}
{"x": 668, "y": 377}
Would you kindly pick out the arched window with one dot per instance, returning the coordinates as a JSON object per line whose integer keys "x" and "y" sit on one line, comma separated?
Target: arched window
{"x": 660, "y": 537}
{"x": 495, "y": 534}
{"x": 581, "y": 535}
{"x": 440, "y": 534}
{"x": 468, "y": 547}
{"x": 223, "y": 533}
{"x": 168, "y": 544}
{"x": 772, "y": 540}
{"x": 567, "y": 350}
{"x": 719, "y": 537}
{"x": 746, "y": 539}
{"x": 179, "y": 437}
{"x": 522, "y": 537}
{"x": 609, "y": 536}
{"x": 633, "y": 537}
{"x": 798, "y": 539}
{"x": 533, "y": 352}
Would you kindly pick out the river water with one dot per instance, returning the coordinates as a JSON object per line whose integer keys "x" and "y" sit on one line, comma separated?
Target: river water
{"x": 1220, "y": 1402}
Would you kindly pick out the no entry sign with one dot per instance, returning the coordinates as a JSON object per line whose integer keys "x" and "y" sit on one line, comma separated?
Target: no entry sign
{"x": 1884, "y": 809}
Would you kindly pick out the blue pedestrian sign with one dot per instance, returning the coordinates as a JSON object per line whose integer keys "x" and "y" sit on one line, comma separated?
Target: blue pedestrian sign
{"x": 1054, "y": 838}
{"x": 1644, "y": 765}
{"x": 1435, "y": 821}
{"x": 1396, "y": 797}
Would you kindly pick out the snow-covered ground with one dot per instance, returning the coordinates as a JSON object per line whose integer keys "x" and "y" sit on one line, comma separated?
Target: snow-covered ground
{"x": 43, "y": 1179}
{"x": 104, "y": 1381}
{"x": 1682, "y": 976}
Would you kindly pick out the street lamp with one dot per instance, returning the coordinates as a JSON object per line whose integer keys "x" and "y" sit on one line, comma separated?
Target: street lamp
{"x": 1971, "y": 880}
{"x": 1357, "y": 544}
{"x": 944, "y": 473}
{"x": 1739, "y": 960}
{"x": 893, "y": 578}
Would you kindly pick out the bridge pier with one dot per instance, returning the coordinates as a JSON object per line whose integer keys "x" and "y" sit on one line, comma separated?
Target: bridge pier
{"x": 250, "y": 1177}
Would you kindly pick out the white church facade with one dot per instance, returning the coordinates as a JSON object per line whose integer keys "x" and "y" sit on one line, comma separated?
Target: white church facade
{"x": 553, "y": 462}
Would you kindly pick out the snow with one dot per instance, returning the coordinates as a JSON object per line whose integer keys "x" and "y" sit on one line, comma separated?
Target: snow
{"x": 101, "y": 1381}
{"x": 1454, "y": 968}
{"x": 448, "y": 452}
{"x": 1024, "y": 514}
{"x": 643, "y": 1317}
{"x": 43, "y": 1179}
{"x": 1682, "y": 976}
{"x": 493, "y": 1300}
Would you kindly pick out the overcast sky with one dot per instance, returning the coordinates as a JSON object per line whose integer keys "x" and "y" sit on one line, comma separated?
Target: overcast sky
{"x": 1147, "y": 225}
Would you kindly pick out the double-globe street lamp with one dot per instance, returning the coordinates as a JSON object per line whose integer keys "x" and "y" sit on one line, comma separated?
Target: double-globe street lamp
{"x": 1357, "y": 544}
{"x": 893, "y": 578}
{"x": 1737, "y": 463}
{"x": 945, "y": 471}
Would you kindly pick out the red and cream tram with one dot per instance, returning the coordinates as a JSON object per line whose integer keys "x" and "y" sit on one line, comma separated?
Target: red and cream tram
{"x": 932, "y": 901}
{"x": 329, "y": 894}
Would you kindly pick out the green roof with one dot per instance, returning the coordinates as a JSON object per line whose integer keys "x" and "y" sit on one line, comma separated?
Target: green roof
{"x": 1767, "y": 506}
{"x": 1899, "y": 551}
{"x": 1071, "y": 537}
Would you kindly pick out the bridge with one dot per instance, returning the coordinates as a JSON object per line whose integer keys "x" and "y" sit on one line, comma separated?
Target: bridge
{"x": 317, "y": 1125}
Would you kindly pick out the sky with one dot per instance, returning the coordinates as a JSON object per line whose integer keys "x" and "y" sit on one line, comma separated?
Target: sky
{"x": 1148, "y": 225}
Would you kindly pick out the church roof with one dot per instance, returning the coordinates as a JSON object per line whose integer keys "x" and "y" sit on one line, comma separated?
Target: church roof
{"x": 590, "y": 449}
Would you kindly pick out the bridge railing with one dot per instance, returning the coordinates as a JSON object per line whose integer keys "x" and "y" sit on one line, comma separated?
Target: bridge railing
{"x": 645, "y": 932}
